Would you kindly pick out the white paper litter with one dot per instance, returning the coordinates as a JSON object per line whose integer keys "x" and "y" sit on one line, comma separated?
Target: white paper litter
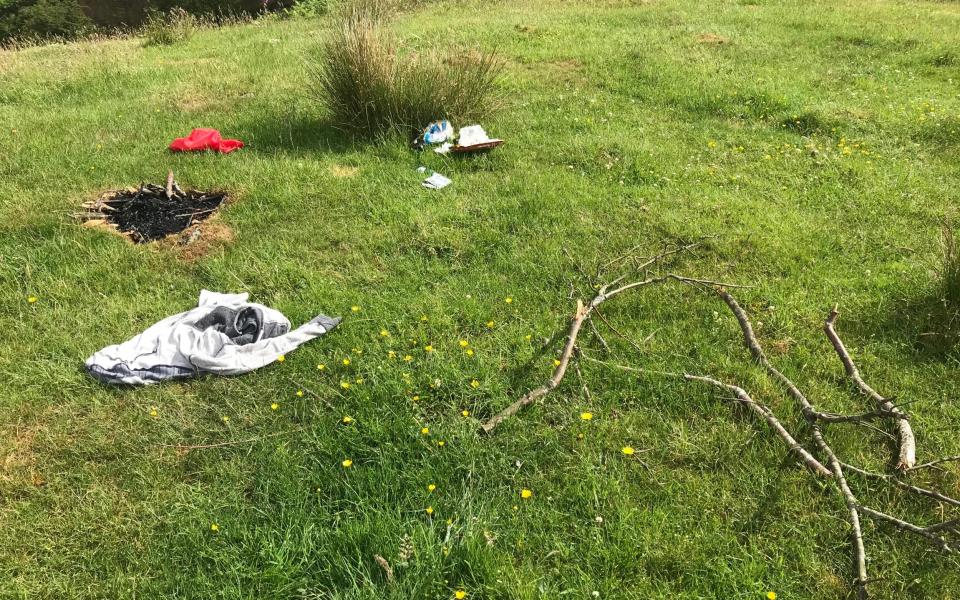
{"x": 472, "y": 135}
{"x": 436, "y": 182}
{"x": 443, "y": 148}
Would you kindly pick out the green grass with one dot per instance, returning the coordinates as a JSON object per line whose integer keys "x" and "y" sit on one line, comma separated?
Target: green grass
{"x": 623, "y": 128}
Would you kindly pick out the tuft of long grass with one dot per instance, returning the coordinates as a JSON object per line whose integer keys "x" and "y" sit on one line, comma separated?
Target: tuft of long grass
{"x": 368, "y": 85}
{"x": 950, "y": 269}
{"x": 165, "y": 29}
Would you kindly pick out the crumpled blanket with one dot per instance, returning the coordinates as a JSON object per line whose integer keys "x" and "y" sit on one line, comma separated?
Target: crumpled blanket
{"x": 205, "y": 139}
{"x": 223, "y": 335}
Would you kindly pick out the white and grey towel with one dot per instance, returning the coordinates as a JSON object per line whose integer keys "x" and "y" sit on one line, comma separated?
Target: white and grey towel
{"x": 223, "y": 335}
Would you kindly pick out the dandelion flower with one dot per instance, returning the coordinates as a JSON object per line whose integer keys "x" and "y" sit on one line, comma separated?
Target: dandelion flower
{"x": 424, "y": 319}
{"x": 464, "y": 343}
{"x": 391, "y": 354}
{"x": 346, "y": 420}
{"x": 449, "y": 521}
{"x": 469, "y": 351}
{"x": 508, "y": 300}
{"x": 321, "y": 367}
{"x": 586, "y": 416}
{"x": 384, "y": 333}
{"x": 526, "y": 494}
{"x": 345, "y": 385}
{"x": 428, "y": 348}
{"x": 347, "y": 463}
{"x": 515, "y": 507}
{"x": 465, "y": 413}
{"x": 771, "y": 596}
{"x": 346, "y": 362}
{"x": 31, "y": 299}
{"x": 431, "y": 487}
{"x": 459, "y": 594}
{"x": 425, "y": 431}
{"x": 357, "y": 351}
{"x": 225, "y": 418}
{"x": 214, "y": 527}
{"x": 359, "y": 380}
{"x": 299, "y": 393}
{"x": 355, "y": 308}
{"x": 415, "y": 397}
{"x": 441, "y": 443}
{"x": 429, "y": 510}
{"x": 556, "y": 362}
{"x": 281, "y": 358}
{"x": 527, "y": 337}
{"x": 407, "y": 358}
{"x": 274, "y": 406}
{"x": 490, "y": 324}
{"x": 474, "y": 384}
{"x": 627, "y": 450}
{"x": 153, "y": 411}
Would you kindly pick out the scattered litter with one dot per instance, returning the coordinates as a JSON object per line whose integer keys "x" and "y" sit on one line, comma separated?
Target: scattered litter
{"x": 473, "y": 139}
{"x": 224, "y": 335}
{"x": 151, "y": 211}
{"x": 438, "y": 131}
{"x": 436, "y": 182}
{"x": 421, "y": 169}
{"x": 205, "y": 139}
{"x": 444, "y": 148}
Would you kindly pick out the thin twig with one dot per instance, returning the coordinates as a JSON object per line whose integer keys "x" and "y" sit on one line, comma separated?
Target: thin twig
{"x": 912, "y": 488}
{"x": 934, "y": 463}
{"x": 908, "y": 446}
{"x": 189, "y": 447}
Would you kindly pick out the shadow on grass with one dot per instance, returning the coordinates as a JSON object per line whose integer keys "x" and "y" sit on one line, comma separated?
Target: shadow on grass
{"x": 298, "y": 134}
{"x": 926, "y": 324}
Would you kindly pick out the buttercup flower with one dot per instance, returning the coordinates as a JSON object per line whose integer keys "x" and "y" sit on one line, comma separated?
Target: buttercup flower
{"x": 428, "y": 348}
{"x": 384, "y": 333}
{"x": 627, "y": 450}
{"x": 771, "y": 596}
{"x": 469, "y": 351}
{"x": 408, "y": 358}
{"x": 225, "y": 418}
{"x": 474, "y": 384}
{"x": 346, "y": 420}
{"x": 459, "y": 594}
{"x": 345, "y": 385}
{"x": 355, "y": 308}
{"x": 31, "y": 299}
{"x": 214, "y": 527}
{"x": 431, "y": 487}
{"x": 274, "y": 406}
{"x": 321, "y": 367}
{"x": 441, "y": 443}
{"x": 346, "y": 362}
{"x": 586, "y": 416}
{"x": 508, "y": 300}
{"x": 347, "y": 463}
{"x": 425, "y": 431}
{"x": 490, "y": 324}
{"x": 465, "y": 413}
{"x": 281, "y": 358}
{"x": 299, "y": 393}
{"x": 526, "y": 494}
{"x": 153, "y": 411}
{"x": 464, "y": 343}
{"x": 429, "y": 510}
{"x": 556, "y": 362}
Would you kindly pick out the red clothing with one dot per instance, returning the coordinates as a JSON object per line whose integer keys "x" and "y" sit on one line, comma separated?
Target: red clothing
{"x": 205, "y": 139}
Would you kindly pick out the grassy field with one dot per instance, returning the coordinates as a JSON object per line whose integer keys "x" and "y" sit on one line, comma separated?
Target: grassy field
{"x": 819, "y": 144}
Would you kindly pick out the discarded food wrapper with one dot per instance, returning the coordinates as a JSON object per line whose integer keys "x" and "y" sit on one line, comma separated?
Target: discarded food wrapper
{"x": 443, "y": 148}
{"x": 436, "y": 182}
{"x": 438, "y": 131}
{"x": 473, "y": 138}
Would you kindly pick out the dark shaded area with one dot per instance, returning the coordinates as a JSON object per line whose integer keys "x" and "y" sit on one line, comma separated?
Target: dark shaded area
{"x": 148, "y": 213}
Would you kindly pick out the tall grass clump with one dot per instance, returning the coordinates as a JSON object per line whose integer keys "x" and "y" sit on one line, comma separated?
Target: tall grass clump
{"x": 950, "y": 269}
{"x": 368, "y": 85}
{"x": 165, "y": 29}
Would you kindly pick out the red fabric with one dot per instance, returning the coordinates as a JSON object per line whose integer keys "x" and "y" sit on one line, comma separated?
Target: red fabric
{"x": 205, "y": 139}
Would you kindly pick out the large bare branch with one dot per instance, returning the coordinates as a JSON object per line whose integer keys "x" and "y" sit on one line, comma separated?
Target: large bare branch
{"x": 908, "y": 445}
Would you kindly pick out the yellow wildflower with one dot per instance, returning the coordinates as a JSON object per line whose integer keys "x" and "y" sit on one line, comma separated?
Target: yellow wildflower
{"x": 347, "y": 419}
{"x": 274, "y": 406}
{"x": 355, "y": 308}
{"x": 359, "y": 380}
{"x": 465, "y": 413}
{"x": 508, "y": 300}
{"x": 225, "y": 418}
{"x": 321, "y": 367}
{"x": 299, "y": 393}
{"x": 556, "y": 362}
{"x": 464, "y": 343}
{"x": 428, "y": 348}
{"x": 214, "y": 527}
{"x": 586, "y": 416}
{"x": 474, "y": 384}
{"x": 384, "y": 333}
{"x": 441, "y": 443}
{"x": 347, "y": 463}
{"x": 526, "y": 494}
{"x": 423, "y": 319}
{"x": 415, "y": 397}
{"x": 153, "y": 411}
{"x": 429, "y": 510}
{"x": 459, "y": 594}
{"x": 469, "y": 351}
{"x": 425, "y": 431}
{"x": 490, "y": 324}
{"x": 627, "y": 450}
{"x": 431, "y": 487}
{"x": 407, "y": 358}
{"x": 527, "y": 337}
{"x": 391, "y": 354}
{"x": 771, "y": 596}
{"x": 345, "y": 385}
{"x": 281, "y": 358}
{"x": 346, "y": 362}
{"x": 31, "y": 299}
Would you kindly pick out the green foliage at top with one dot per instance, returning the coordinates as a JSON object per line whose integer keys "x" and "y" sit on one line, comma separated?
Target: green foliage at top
{"x": 42, "y": 19}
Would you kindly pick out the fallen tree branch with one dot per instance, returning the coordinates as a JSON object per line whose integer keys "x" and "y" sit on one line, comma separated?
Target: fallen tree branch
{"x": 934, "y": 463}
{"x": 908, "y": 445}
{"x": 902, "y": 484}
